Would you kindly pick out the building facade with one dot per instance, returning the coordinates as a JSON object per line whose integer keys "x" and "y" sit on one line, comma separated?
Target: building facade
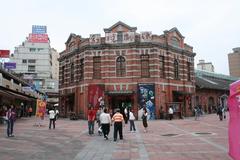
{"x": 36, "y": 61}
{"x": 205, "y": 66}
{"x": 127, "y": 69}
{"x": 212, "y": 90}
{"x": 234, "y": 62}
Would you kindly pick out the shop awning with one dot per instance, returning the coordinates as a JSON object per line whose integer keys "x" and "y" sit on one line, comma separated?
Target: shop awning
{"x": 18, "y": 96}
{"x": 121, "y": 92}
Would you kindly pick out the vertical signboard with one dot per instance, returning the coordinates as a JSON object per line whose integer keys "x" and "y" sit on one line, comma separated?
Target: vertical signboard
{"x": 234, "y": 120}
{"x": 4, "y": 53}
{"x": 146, "y": 36}
{"x": 94, "y": 39}
{"x": 95, "y": 95}
{"x": 146, "y": 98}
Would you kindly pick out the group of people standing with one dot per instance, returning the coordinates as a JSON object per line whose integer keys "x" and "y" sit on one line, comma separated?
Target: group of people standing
{"x": 105, "y": 120}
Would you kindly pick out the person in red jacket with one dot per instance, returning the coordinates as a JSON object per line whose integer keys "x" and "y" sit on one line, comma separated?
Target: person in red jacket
{"x": 91, "y": 120}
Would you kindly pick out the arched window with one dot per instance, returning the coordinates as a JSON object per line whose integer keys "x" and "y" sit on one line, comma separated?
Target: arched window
{"x": 176, "y": 69}
{"x": 175, "y": 42}
{"x": 121, "y": 66}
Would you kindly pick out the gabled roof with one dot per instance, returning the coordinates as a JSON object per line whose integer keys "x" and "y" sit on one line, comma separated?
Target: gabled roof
{"x": 133, "y": 29}
{"x": 174, "y": 29}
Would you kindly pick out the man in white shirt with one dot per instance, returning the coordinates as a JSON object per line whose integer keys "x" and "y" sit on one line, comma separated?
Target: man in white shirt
{"x": 105, "y": 121}
{"x": 131, "y": 120}
{"x": 52, "y": 118}
{"x": 170, "y": 112}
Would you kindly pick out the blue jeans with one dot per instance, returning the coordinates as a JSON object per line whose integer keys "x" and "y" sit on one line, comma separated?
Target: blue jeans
{"x": 90, "y": 127}
{"x": 10, "y": 124}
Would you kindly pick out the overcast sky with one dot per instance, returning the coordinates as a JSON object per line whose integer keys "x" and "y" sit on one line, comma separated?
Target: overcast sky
{"x": 212, "y": 27}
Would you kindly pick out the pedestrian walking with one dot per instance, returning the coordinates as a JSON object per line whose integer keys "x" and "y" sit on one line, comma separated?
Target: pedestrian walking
{"x": 52, "y": 118}
{"x": 99, "y": 112}
{"x": 144, "y": 119}
{"x": 170, "y": 113}
{"x": 10, "y": 119}
{"x": 131, "y": 120}
{"x": 220, "y": 112}
{"x": 105, "y": 121}
{"x": 197, "y": 112}
{"x": 91, "y": 120}
{"x": 118, "y": 120}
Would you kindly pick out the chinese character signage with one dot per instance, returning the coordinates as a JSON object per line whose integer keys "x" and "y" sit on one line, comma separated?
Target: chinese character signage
{"x": 4, "y": 53}
{"x": 146, "y": 98}
{"x": 111, "y": 38}
{"x": 10, "y": 65}
{"x": 234, "y": 120}
{"x": 38, "y": 38}
{"x": 36, "y": 29}
{"x": 128, "y": 37}
{"x": 95, "y": 39}
{"x": 146, "y": 36}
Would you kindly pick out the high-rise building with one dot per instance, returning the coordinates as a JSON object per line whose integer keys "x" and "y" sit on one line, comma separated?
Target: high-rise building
{"x": 55, "y": 64}
{"x": 205, "y": 66}
{"x": 234, "y": 62}
{"x": 36, "y": 60}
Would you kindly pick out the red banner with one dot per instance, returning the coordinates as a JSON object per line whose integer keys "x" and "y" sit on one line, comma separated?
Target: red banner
{"x": 4, "y": 53}
{"x": 38, "y": 38}
{"x": 95, "y": 95}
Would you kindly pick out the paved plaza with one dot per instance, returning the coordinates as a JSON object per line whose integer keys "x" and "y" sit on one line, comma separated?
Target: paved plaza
{"x": 205, "y": 139}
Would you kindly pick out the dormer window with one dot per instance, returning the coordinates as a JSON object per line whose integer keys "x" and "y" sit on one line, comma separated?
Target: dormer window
{"x": 119, "y": 37}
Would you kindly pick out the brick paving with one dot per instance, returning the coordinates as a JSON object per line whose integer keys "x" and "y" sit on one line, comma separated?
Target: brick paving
{"x": 205, "y": 139}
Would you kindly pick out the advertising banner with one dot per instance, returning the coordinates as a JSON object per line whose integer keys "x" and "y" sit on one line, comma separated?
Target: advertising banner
{"x": 128, "y": 37}
{"x": 4, "y": 53}
{"x": 41, "y": 108}
{"x": 38, "y": 38}
{"x": 10, "y": 65}
{"x": 111, "y": 38}
{"x": 234, "y": 120}
{"x": 95, "y": 39}
{"x": 146, "y": 98}
{"x": 146, "y": 36}
{"x": 26, "y": 89}
{"x": 96, "y": 95}
{"x": 36, "y": 29}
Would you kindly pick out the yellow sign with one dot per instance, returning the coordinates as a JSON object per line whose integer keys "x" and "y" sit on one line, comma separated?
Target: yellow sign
{"x": 41, "y": 108}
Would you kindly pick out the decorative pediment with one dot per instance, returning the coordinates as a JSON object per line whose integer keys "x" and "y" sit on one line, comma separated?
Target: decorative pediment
{"x": 72, "y": 36}
{"x": 120, "y": 27}
{"x": 176, "y": 31}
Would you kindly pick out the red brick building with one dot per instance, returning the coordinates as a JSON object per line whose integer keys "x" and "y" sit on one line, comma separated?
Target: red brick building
{"x": 127, "y": 69}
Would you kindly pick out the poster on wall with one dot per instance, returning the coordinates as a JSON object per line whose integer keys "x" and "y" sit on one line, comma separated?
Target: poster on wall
{"x": 96, "y": 96}
{"x": 146, "y": 97}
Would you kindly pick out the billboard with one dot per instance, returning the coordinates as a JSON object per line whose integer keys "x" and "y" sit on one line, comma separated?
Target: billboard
{"x": 146, "y": 98}
{"x": 128, "y": 37}
{"x": 10, "y": 65}
{"x": 38, "y": 38}
{"x": 4, "y": 53}
{"x": 95, "y": 39}
{"x": 36, "y": 29}
{"x": 146, "y": 36}
{"x": 111, "y": 38}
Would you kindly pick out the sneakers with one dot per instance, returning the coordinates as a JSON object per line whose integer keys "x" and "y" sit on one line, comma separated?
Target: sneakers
{"x": 106, "y": 137}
